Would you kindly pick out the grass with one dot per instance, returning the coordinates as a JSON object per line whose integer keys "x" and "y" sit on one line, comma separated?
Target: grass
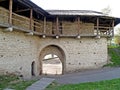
{"x": 114, "y": 53}
{"x": 102, "y": 85}
{"x": 13, "y": 82}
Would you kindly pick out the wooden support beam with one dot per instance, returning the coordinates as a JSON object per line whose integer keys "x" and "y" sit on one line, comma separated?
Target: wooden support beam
{"x": 109, "y": 30}
{"x": 23, "y": 10}
{"x": 44, "y": 30}
{"x": 113, "y": 24}
{"x": 10, "y": 11}
{"x": 97, "y": 26}
{"x": 31, "y": 18}
{"x": 35, "y": 9}
{"x": 57, "y": 25}
{"x": 78, "y": 20}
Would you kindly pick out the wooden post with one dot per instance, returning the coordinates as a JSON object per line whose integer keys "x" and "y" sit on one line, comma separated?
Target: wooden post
{"x": 31, "y": 17}
{"x": 44, "y": 31}
{"x": 113, "y": 23}
{"x": 10, "y": 11}
{"x": 97, "y": 26}
{"x": 78, "y": 20}
{"x": 57, "y": 25}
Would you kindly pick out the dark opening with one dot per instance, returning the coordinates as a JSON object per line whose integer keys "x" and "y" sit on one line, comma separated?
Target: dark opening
{"x": 33, "y": 68}
{"x": 60, "y": 27}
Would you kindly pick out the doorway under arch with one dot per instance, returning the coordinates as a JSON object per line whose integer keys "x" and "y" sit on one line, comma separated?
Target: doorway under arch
{"x": 52, "y": 65}
{"x": 52, "y": 55}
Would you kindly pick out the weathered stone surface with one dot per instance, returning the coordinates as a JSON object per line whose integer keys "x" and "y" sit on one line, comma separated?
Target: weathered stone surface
{"x": 41, "y": 84}
{"x": 18, "y": 50}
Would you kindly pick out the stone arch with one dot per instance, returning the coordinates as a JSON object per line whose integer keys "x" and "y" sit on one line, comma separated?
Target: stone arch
{"x": 53, "y": 49}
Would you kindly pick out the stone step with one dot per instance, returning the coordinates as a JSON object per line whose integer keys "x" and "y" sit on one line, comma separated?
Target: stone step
{"x": 41, "y": 84}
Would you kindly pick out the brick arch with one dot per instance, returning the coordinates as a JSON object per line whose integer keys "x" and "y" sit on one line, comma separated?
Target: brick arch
{"x": 53, "y": 49}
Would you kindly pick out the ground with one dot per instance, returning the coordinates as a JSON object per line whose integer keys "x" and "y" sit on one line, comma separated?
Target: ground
{"x": 52, "y": 66}
{"x": 13, "y": 82}
{"x": 105, "y": 73}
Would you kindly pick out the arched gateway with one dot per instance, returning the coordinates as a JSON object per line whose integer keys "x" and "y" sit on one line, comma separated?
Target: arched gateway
{"x": 54, "y": 50}
{"x": 28, "y": 33}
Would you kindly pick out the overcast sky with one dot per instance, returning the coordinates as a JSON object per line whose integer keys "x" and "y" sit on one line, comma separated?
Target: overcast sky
{"x": 96, "y": 5}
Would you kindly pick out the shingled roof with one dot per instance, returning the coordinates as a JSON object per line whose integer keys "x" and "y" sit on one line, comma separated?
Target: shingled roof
{"x": 81, "y": 13}
{"x": 75, "y": 12}
{"x": 32, "y": 5}
{"x": 39, "y": 12}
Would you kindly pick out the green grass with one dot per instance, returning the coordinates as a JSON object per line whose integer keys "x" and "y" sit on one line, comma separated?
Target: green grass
{"x": 102, "y": 85}
{"x": 13, "y": 82}
{"x": 114, "y": 53}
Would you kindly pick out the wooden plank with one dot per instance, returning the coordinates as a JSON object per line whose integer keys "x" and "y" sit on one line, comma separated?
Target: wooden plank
{"x": 35, "y": 9}
{"x": 97, "y": 26}
{"x": 113, "y": 24}
{"x": 78, "y": 20}
{"x": 102, "y": 27}
{"x": 57, "y": 25}
{"x": 10, "y": 11}
{"x": 31, "y": 17}
{"x": 23, "y": 10}
{"x": 44, "y": 25}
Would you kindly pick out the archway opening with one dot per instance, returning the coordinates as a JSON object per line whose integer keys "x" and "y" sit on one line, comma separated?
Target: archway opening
{"x": 50, "y": 56}
{"x": 51, "y": 65}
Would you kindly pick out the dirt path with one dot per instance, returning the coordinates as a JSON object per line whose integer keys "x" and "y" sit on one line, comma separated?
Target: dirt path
{"x": 52, "y": 66}
{"x": 88, "y": 76}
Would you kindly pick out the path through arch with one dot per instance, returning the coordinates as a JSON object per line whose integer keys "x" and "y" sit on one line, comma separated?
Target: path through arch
{"x": 51, "y": 59}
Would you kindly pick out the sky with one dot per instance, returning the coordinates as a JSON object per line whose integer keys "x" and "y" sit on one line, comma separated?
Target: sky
{"x": 96, "y": 5}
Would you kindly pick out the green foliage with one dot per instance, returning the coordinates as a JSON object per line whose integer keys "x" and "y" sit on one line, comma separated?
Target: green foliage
{"x": 13, "y": 82}
{"x": 114, "y": 52}
{"x": 102, "y": 85}
{"x": 117, "y": 30}
{"x": 117, "y": 36}
{"x": 117, "y": 39}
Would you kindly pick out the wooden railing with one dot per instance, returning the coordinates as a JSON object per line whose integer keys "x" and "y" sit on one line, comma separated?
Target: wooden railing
{"x": 38, "y": 26}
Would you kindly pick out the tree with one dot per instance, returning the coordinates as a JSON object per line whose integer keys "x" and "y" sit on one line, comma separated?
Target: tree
{"x": 117, "y": 37}
{"x": 107, "y": 10}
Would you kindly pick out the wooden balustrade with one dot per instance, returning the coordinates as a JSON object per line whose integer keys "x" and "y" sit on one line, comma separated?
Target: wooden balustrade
{"x": 42, "y": 27}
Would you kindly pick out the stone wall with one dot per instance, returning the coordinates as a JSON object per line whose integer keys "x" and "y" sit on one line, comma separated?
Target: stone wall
{"x": 84, "y": 53}
{"x": 18, "y": 51}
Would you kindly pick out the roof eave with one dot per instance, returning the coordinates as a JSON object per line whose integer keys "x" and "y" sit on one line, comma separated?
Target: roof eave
{"x": 30, "y": 4}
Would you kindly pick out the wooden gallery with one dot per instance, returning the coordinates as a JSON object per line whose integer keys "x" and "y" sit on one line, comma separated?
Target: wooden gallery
{"x": 28, "y": 33}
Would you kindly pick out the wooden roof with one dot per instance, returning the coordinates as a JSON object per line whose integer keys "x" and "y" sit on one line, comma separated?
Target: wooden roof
{"x": 22, "y": 7}
{"x": 75, "y": 12}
